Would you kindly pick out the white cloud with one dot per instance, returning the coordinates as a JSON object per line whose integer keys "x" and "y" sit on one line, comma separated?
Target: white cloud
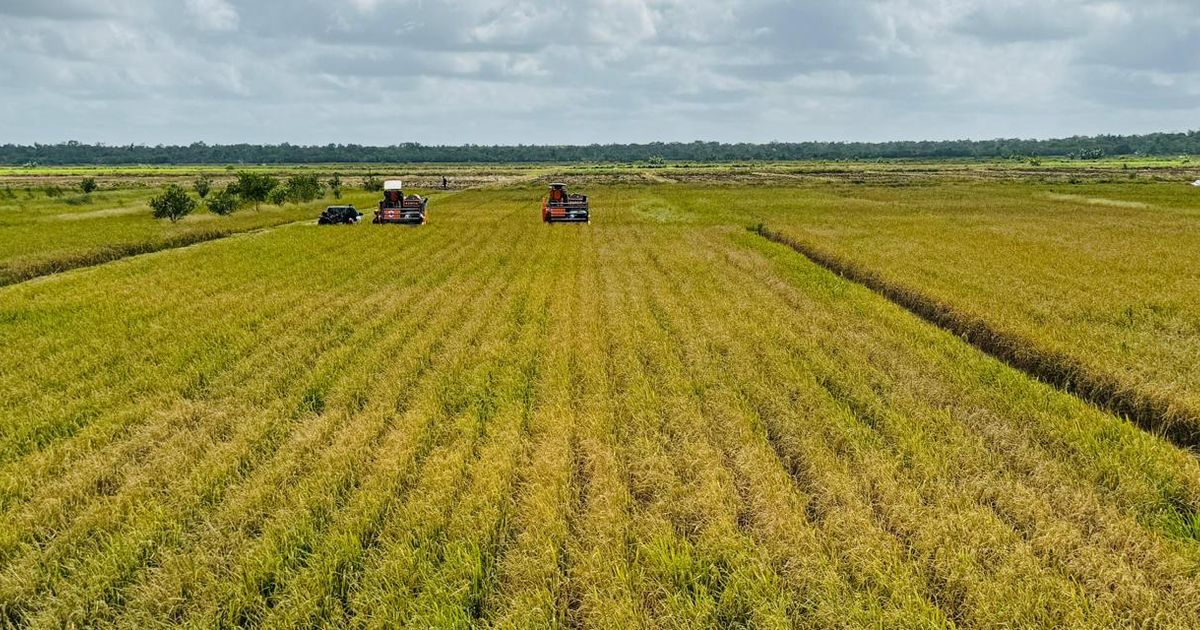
{"x": 454, "y": 71}
{"x": 213, "y": 15}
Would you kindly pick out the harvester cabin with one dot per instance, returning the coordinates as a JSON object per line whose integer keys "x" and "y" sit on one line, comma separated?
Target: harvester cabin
{"x": 393, "y": 193}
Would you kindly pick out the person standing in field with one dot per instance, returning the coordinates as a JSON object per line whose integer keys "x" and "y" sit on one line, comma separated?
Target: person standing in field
{"x": 445, "y": 183}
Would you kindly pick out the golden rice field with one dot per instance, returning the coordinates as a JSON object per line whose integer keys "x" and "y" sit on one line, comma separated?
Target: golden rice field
{"x": 1094, "y": 285}
{"x": 659, "y": 420}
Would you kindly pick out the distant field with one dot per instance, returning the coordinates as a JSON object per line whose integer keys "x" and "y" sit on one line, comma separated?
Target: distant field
{"x": 661, "y": 419}
{"x": 429, "y": 175}
{"x": 140, "y": 177}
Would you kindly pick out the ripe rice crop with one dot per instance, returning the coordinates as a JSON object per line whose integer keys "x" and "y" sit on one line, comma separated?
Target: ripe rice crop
{"x": 1090, "y": 286}
{"x": 657, "y": 420}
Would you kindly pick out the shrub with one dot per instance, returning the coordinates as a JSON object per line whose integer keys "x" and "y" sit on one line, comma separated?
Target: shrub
{"x": 370, "y": 183}
{"x": 78, "y": 200}
{"x": 1087, "y": 154}
{"x": 225, "y": 202}
{"x": 335, "y": 186}
{"x": 54, "y": 191}
{"x": 302, "y": 188}
{"x": 174, "y": 204}
{"x": 202, "y": 185}
{"x": 278, "y": 196}
{"x": 88, "y": 185}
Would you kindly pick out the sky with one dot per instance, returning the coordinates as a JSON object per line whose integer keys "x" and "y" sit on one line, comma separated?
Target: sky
{"x": 383, "y": 72}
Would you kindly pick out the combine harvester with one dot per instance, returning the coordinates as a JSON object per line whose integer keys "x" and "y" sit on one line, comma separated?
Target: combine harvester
{"x": 561, "y": 207}
{"x": 398, "y": 209}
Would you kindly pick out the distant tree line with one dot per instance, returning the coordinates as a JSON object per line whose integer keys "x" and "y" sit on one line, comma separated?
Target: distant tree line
{"x": 1078, "y": 147}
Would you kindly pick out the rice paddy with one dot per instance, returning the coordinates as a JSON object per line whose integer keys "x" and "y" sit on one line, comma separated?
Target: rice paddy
{"x": 659, "y": 420}
{"x": 1094, "y": 286}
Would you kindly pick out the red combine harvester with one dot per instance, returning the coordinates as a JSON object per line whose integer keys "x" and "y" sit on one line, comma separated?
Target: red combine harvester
{"x": 561, "y": 207}
{"x": 396, "y": 208}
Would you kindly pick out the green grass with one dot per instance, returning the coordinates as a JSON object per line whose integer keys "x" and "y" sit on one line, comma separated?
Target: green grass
{"x": 657, "y": 420}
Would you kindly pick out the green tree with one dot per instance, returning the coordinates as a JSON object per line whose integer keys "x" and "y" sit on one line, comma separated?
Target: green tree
{"x": 88, "y": 185}
{"x": 303, "y": 188}
{"x": 254, "y": 187}
{"x": 174, "y": 204}
{"x": 225, "y": 202}
{"x": 335, "y": 186}
{"x": 278, "y": 195}
{"x": 203, "y": 185}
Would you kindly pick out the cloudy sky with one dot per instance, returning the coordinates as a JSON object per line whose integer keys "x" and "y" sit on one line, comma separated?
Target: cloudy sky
{"x": 557, "y": 71}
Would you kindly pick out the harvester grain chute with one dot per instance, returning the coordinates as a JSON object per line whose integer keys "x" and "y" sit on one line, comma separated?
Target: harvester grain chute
{"x": 398, "y": 208}
{"x": 562, "y": 207}
{"x": 339, "y": 215}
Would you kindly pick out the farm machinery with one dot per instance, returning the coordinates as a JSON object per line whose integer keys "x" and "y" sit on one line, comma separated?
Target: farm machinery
{"x": 398, "y": 208}
{"x": 339, "y": 215}
{"x": 562, "y": 207}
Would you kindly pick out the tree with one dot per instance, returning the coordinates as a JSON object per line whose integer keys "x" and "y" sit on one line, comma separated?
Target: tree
{"x": 254, "y": 187}
{"x": 335, "y": 186}
{"x": 88, "y": 185}
{"x": 278, "y": 195}
{"x": 174, "y": 204}
{"x": 225, "y": 202}
{"x": 302, "y": 188}
{"x": 203, "y": 185}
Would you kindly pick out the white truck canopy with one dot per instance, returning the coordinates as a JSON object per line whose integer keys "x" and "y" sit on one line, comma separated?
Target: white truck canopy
{"x": 393, "y": 184}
